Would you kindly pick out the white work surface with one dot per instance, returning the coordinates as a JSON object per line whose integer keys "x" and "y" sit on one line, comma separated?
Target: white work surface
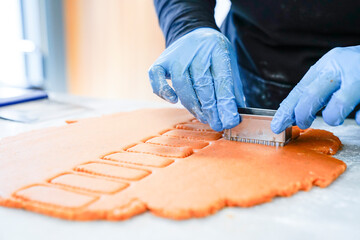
{"x": 330, "y": 213}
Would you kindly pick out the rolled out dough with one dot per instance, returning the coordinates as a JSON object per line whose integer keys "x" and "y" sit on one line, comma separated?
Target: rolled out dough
{"x": 117, "y": 166}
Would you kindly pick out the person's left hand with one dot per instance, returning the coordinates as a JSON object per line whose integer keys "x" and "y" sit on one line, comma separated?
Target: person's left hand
{"x": 333, "y": 81}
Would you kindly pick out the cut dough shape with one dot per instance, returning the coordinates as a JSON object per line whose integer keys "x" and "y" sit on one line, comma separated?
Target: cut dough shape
{"x": 177, "y": 142}
{"x": 54, "y": 196}
{"x": 113, "y": 171}
{"x": 195, "y": 126}
{"x": 139, "y": 159}
{"x": 163, "y": 151}
{"x": 40, "y": 170}
{"x": 193, "y": 135}
{"x": 88, "y": 183}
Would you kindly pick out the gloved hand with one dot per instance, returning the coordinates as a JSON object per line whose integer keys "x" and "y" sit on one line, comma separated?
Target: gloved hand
{"x": 333, "y": 81}
{"x": 204, "y": 73}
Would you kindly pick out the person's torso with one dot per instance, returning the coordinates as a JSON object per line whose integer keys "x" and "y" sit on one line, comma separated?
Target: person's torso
{"x": 279, "y": 40}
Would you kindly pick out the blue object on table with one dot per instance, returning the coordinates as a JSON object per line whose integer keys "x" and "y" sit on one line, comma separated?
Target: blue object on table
{"x": 9, "y": 96}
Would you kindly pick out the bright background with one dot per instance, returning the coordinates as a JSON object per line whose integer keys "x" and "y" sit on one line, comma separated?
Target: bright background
{"x": 85, "y": 47}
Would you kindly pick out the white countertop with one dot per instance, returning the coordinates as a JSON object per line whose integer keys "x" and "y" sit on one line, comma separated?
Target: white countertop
{"x": 330, "y": 213}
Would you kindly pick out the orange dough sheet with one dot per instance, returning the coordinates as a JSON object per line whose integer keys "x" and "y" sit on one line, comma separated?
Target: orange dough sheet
{"x": 118, "y": 166}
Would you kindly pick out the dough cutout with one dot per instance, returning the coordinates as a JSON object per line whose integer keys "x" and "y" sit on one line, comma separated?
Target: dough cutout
{"x": 117, "y": 166}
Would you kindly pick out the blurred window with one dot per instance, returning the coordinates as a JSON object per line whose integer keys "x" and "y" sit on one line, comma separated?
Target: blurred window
{"x": 32, "y": 44}
{"x": 12, "y": 65}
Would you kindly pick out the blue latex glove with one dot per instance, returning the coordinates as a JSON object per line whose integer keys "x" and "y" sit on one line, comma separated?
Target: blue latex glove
{"x": 333, "y": 81}
{"x": 204, "y": 73}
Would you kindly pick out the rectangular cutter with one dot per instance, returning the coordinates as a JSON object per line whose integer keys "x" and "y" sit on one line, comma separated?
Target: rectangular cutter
{"x": 255, "y": 128}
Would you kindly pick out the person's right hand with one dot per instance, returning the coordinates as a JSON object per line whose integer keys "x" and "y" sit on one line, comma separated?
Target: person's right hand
{"x": 205, "y": 76}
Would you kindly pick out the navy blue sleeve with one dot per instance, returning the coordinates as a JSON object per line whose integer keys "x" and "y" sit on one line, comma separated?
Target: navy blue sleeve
{"x": 178, "y": 17}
